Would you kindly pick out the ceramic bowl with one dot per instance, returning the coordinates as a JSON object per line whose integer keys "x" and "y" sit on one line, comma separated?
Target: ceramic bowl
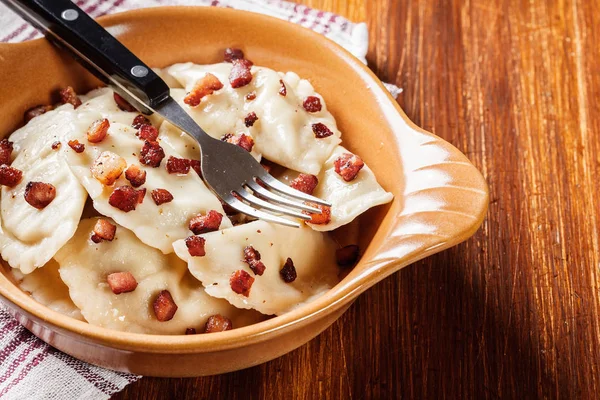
{"x": 440, "y": 197}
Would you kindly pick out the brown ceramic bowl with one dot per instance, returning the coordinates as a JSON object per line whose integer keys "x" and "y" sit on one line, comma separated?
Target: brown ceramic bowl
{"x": 440, "y": 197}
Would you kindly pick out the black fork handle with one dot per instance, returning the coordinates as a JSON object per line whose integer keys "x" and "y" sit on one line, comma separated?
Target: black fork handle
{"x": 71, "y": 28}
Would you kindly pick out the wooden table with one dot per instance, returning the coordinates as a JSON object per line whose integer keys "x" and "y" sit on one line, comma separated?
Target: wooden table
{"x": 514, "y": 311}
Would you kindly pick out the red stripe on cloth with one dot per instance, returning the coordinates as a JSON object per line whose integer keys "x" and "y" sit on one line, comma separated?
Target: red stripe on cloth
{"x": 34, "y": 362}
{"x": 23, "y": 335}
{"x": 11, "y": 323}
{"x": 20, "y": 359}
{"x": 14, "y": 33}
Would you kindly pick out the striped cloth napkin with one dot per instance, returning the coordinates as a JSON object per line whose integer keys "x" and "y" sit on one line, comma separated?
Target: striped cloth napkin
{"x": 31, "y": 369}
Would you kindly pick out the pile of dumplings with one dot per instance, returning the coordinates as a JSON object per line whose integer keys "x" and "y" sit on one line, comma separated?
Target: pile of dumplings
{"x": 125, "y": 234}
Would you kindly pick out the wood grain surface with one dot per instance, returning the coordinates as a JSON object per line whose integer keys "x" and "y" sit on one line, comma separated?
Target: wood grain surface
{"x": 514, "y": 312}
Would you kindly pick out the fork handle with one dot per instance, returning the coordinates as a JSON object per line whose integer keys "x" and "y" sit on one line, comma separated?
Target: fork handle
{"x": 70, "y": 27}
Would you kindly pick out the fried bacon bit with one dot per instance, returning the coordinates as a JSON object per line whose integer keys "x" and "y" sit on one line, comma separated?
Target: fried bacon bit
{"x": 244, "y": 141}
{"x": 161, "y": 196}
{"x": 228, "y": 209}
{"x": 347, "y": 256}
{"x": 251, "y": 96}
{"x": 10, "y": 176}
{"x": 56, "y": 145}
{"x": 141, "y": 195}
{"x": 240, "y": 73}
{"x": 123, "y": 104}
{"x": 108, "y": 167}
{"x": 6, "y": 148}
{"x": 252, "y": 258}
{"x": 98, "y": 131}
{"x": 103, "y": 230}
{"x": 140, "y": 120}
{"x": 348, "y": 166}
{"x": 319, "y": 219}
{"x": 76, "y": 146}
{"x": 288, "y": 271}
{"x": 39, "y": 194}
{"x": 121, "y": 282}
{"x": 195, "y": 164}
{"x": 312, "y": 104}
{"x": 321, "y": 130}
{"x": 241, "y": 282}
{"x": 68, "y": 95}
{"x": 305, "y": 183}
{"x": 190, "y": 331}
{"x": 147, "y": 132}
{"x": 195, "y": 245}
{"x": 125, "y": 198}
{"x": 231, "y": 54}
{"x": 250, "y": 119}
{"x": 151, "y": 154}
{"x": 217, "y": 323}
{"x": 135, "y": 176}
{"x": 283, "y": 89}
{"x": 209, "y": 222}
{"x": 164, "y": 306}
{"x": 206, "y": 86}
{"x": 36, "y": 112}
{"x": 178, "y": 165}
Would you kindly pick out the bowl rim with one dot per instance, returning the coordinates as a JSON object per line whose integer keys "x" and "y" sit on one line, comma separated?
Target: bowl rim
{"x": 339, "y": 296}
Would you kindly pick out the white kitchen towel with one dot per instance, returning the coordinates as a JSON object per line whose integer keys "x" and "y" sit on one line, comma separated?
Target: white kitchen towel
{"x": 29, "y": 368}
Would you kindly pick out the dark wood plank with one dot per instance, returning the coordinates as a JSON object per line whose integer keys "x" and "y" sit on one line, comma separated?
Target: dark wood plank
{"x": 513, "y": 312}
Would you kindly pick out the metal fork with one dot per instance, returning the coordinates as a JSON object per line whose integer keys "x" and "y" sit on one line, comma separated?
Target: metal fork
{"x": 230, "y": 171}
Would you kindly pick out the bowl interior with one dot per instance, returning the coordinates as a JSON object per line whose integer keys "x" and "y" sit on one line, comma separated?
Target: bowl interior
{"x": 440, "y": 198}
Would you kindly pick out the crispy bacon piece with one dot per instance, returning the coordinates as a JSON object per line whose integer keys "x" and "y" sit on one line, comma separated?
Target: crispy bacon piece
{"x": 147, "y": 132}
{"x": 151, "y": 154}
{"x": 140, "y": 120}
{"x": 244, "y": 141}
{"x": 288, "y": 271}
{"x": 305, "y": 183}
{"x": 135, "y": 175}
{"x": 209, "y": 222}
{"x": 123, "y": 104}
{"x": 205, "y": 86}
{"x": 348, "y": 166}
{"x": 195, "y": 164}
{"x": 108, "y": 167}
{"x": 252, "y": 258}
{"x": 103, "y": 230}
{"x": 39, "y": 194}
{"x": 68, "y": 95}
{"x": 312, "y": 104}
{"x": 283, "y": 89}
{"x": 241, "y": 282}
{"x": 126, "y": 198}
{"x": 36, "y": 112}
{"x": 251, "y": 96}
{"x": 217, "y": 323}
{"x": 76, "y": 146}
{"x": 240, "y": 75}
{"x": 319, "y": 219}
{"x": 10, "y": 176}
{"x": 195, "y": 245}
{"x": 321, "y": 130}
{"x": 141, "y": 195}
{"x": 190, "y": 331}
{"x": 164, "y": 306}
{"x": 98, "y": 131}
{"x": 250, "y": 119}
{"x": 56, "y": 145}
{"x": 6, "y": 148}
{"x": 121, "y": 282}
{"x": 347, "y": 255}
{"x": 161, "y": 196}
{"x": 178, "y": 165}
{"x": 231, "y": 54}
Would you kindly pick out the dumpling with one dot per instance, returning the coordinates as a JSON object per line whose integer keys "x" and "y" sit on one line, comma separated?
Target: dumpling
{"x": 312, "y": 254}
{"x": 157, "y": 226}
{"x": 46, "y": 287}
{"x": 32, "y": 236}
{"x": 85, "y": 265}
{"x": 283, "y": 132}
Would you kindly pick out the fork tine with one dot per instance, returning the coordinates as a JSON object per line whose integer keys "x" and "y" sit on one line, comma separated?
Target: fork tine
{"x": 280, "y": 199}
{"x": 248, "y": 210}
{"x": 255, "y": 201}
{"x": 288, "y": 191}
